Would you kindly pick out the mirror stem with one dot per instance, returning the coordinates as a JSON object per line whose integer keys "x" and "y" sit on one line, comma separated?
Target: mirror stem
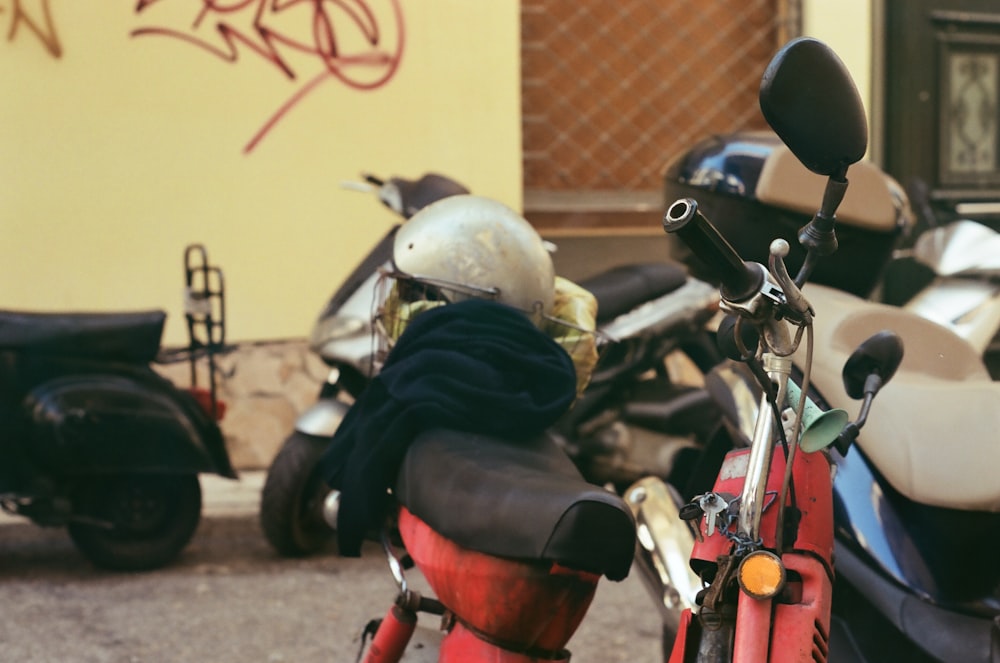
{"x": 850, "y": 433}
{"x": 819, "y": 237}
{"x": 866, "y": 406}
{"x": 833, "y": 195}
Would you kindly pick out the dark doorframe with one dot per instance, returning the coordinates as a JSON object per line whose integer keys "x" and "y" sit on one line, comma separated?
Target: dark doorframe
{"x": 940, "y": 94}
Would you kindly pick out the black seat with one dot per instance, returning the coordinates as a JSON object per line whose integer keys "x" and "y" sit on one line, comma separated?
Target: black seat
{"x": 522, "y": 500}
{"x": 621, "y": 289}
{"x": 130, "y": 336}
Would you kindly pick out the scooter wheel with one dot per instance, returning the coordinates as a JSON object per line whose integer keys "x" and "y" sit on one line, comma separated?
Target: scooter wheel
{"x": 291, "y": 503}
{"x": 135, "y": 522}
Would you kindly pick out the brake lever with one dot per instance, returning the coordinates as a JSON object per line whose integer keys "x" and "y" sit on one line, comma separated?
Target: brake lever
{"x": 795, "y": 306}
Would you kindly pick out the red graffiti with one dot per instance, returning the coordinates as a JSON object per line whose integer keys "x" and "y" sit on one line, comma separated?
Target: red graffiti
{"x": 38, "y": 22}
{"x": 338, "y": 39}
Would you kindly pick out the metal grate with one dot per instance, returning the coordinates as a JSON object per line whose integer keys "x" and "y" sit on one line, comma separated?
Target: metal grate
{"x": 611, "y": 91}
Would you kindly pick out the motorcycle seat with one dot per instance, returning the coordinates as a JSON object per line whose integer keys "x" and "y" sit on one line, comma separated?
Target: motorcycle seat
{"x": 932, "y": 430}
{"x": 620, "y": 289}
{"x": 521, "y": 500}
{"x": 128, "y": 336}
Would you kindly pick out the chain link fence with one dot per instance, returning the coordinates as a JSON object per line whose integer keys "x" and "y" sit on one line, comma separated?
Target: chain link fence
{"x": 611, "y": 91}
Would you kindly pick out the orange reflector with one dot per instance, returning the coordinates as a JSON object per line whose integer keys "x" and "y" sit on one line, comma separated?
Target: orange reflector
{"x": 761, "y": 574}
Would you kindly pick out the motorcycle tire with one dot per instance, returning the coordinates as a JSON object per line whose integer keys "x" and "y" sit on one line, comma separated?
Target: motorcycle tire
{"x": 291, "y": 503}
{"x": 135, "y": 522}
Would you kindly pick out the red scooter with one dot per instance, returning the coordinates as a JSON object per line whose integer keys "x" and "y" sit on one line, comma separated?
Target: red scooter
{"x": 513, "y": 542}
{"x": 765, "y": 530}
{"x": 509, "y": 588}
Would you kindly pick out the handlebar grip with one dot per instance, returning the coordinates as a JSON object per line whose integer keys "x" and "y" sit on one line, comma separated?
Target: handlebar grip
{"x": 739, "y": 278}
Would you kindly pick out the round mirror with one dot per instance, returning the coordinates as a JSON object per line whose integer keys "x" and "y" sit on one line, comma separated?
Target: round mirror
{"x": 879, "y": 355}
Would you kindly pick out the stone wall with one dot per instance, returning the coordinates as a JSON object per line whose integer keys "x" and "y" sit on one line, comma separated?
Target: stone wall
{"x": 265, "y": 386}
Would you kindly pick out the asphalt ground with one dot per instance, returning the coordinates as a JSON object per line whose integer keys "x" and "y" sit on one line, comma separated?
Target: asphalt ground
{"x": 231, "y": 598}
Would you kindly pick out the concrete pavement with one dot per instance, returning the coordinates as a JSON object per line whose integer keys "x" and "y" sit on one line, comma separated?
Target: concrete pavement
{"x": 230, "y": 597}
{"x": 225, "y": 497}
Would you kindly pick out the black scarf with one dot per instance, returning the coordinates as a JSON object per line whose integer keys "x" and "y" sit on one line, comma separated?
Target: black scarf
{"x": 475, "y": 366}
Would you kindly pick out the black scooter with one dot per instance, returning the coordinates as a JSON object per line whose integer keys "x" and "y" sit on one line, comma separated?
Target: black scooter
{"x": 632, "y": 421}
{"x": 94, "y": 439}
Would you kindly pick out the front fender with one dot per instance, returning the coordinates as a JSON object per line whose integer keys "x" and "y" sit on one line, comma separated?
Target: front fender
{"x": 97, "y": 423}
{"x": 323, "y": 418}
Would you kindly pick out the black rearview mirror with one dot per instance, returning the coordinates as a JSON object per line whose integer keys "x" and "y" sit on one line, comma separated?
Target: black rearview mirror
{"x": 879, "y": 356}
{"x": 809, "y": 99}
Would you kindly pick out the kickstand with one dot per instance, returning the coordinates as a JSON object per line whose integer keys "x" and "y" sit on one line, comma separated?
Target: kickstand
{"x": 367, "y": 633}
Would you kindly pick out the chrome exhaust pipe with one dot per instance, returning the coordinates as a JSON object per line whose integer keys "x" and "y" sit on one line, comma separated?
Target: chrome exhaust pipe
{"x": 663, "y": 548}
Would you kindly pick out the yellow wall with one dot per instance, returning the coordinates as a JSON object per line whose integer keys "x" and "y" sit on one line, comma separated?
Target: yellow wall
{"x": 121, "y": 147}
{"x": 846, "y": 26}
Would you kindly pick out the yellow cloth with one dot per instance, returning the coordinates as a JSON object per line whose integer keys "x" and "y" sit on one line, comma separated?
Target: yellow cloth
{"x": 571, "y": 323}
{"x": 577, "y": 307}
{"x": 396, "y": 314}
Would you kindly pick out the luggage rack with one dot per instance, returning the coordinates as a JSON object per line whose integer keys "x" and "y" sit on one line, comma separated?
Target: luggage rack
{"x": 205, "y": 314}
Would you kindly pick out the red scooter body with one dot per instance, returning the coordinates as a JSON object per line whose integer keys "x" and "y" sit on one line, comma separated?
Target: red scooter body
{"x": 529, "y": 605}
{"x": 507, "y": 611}
{"x": 538, "y": 530}
{"x": 813, "y": 491}
{"x": 798, "y": 619}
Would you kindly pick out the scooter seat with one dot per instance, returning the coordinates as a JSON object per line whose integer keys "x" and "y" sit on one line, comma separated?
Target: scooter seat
{"x": 932, "y": 432}
{"x": 621, "y": 289}
{"x": 129, "y": 336}
{"x": 521, "y": 500}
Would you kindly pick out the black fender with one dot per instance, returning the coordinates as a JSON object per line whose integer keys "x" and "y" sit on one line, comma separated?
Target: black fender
{"x": 99, "y": 423}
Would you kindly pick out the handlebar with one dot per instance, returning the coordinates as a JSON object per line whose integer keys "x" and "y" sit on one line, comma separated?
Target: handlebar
{"x": 405, "y": 196}
{"x": 740, "y": 279}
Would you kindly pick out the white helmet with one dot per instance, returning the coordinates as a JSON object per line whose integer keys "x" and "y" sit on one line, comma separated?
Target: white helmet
{"x": 470, "y": 246}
